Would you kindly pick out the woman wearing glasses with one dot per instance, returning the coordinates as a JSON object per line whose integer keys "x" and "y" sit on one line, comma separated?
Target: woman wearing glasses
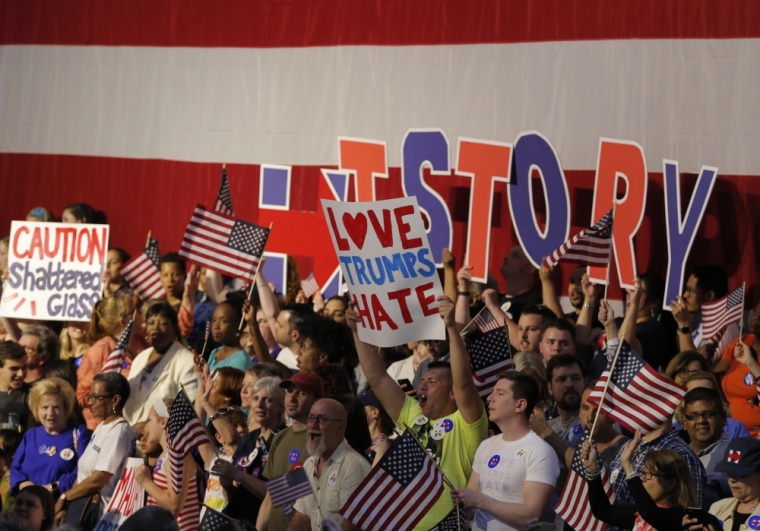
{"x": 101, "y": 464}
{"x": 661, "y": 493}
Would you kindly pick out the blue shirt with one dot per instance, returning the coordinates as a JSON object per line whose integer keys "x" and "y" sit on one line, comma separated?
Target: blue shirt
{"x": 238, "y": 360}
{"x": 43, "y": 458}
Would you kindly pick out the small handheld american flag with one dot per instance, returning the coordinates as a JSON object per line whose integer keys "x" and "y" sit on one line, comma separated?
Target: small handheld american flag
{"x": 224, "y": 197}
{"x": 213, "y": 520}
{"x": 490, "y": 355}
{"x": 143, "y": 273}
{"x": 223, "y": 244}
{"x": 637, "y": 397}
{"x": 398, "y": 492}
{"x": 115, "y": 360}
{"x": 310, "y": 286}
{"x": 718, "y": 315}
{"x": 590, "y": 246}
{"x": 185, "y": 433}
{"x": 289, "y": 487}
{"x": 573, "y": 506}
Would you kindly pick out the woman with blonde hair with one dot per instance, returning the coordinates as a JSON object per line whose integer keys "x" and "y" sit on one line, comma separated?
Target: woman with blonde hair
{"x": 49, "y": 453}
{"x": 532, "y": 363}
{"x": 74, "y": 344}
{"x": 661, "y": 492}
{"x": 110, "y": 317}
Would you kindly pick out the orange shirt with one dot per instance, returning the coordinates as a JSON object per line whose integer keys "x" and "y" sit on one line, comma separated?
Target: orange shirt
{"x": 739, "y": 386}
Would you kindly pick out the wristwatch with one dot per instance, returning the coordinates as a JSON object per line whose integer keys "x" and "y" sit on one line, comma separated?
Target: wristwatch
{"x": 63, "y": 497}
{"x": 685, "y": 329}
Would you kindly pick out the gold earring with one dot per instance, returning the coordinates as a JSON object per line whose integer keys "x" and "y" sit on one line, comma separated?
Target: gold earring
{"x": 113, "y": 408}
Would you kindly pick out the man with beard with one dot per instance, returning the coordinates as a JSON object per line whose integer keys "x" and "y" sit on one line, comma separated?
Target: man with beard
{"x": 565, "y": 376}
{"x": 14, "y": 393}
{"x": 289, "y": 449}
{"x": 334, "y": 468}
{"x": 449, "y": 417}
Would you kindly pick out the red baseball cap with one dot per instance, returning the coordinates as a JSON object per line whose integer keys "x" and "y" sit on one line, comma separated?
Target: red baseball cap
{"x": 306, "y": 381}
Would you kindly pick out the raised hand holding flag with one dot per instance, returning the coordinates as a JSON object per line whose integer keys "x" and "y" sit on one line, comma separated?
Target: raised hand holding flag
{"x": 718, "y": 315}
{"x": 143, "y": 273}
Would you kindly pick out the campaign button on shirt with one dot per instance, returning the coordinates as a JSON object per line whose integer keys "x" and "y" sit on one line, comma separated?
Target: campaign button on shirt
{"x": 749, "y": 380}
{"x": 494, "y": 461}
{"x": 67, "y": 454}
{"x": 294, "y": 455}
{"x": 447, "y": 425}
{"x": 420, "y": 420}
{"x": 754, "y": 522}
{"x": 578, "y": 429}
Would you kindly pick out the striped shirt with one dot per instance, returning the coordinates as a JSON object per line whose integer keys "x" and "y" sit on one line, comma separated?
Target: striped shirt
{"x": 189, "y": 518}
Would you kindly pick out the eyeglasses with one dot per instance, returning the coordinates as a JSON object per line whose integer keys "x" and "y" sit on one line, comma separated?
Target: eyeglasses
{"x": 321, "y": 419}
{"x": 708, "y": 415}
{"x": 649, "y": 476}
{"x": 97, "y": 398}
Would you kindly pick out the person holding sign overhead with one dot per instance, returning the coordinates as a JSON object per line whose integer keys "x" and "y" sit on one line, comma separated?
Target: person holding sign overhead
{"x": 449, "y": 417}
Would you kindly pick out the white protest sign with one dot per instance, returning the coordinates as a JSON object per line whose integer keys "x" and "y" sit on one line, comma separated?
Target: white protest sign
{"x": 54, "y": 270}
{"x": 128, "y": 498}
{"x": 390, "y": 272}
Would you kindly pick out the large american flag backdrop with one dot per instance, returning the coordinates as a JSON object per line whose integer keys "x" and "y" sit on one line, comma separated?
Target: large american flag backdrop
{"x": 133, "y": 106}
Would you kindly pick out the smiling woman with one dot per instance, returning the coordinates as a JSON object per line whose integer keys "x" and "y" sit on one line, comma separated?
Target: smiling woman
{"x": 48, "y": 454}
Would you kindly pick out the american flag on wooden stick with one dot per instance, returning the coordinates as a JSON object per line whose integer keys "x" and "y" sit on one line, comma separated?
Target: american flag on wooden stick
{"x": 224, "y": 197}
{"x": 398, "y": 492}
{"x": 718, "y": 315}
{"x": 485, "y": 321}
{"x": 143, "y": 273}
{"x": 185, "y": 433}
{"x": 115, "y": 360}
{"x": 590, "y": 246}
{"x": 574, "y": 506}
{"x": 223, "y": 244}
{"x": 310, "y": 286}
{"x": 490, "y": 355}
{"x": 638, "y": 397}
{"x": 213, "y": 520}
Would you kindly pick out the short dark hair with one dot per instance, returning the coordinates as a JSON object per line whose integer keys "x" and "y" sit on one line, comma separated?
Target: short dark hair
{"x": 338, "y": 298}
{"x": 539, "y": 309}
{"x": 115, "y": 384}
{"x": 559, "y": 324}
{"x": 524, "y": 387}
{"x": 10, "y": 350}
{"x": 703, "y": 394}
{"x": 563, "y": 360}
{"x": 711, "y": 277}
{"x": 49, "y": 343}
{"x": 124, "y": 256}
{"x": 173, "y": 258}
{"x": 164, "y": 309}
{"x": 11, "y": 441}
{"x": 298, "y": 314}
{"x": 82, "y": 211}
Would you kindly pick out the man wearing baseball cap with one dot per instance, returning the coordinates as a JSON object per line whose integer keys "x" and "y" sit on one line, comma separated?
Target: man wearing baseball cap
{"x": 741, "y": 464}
{"x": 288, "y": 450}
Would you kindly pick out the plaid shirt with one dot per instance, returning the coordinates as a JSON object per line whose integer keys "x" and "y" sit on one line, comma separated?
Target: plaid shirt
{"x": 667, "y": 441}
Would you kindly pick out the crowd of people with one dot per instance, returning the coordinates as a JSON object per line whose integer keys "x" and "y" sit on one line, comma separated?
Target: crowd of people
{"x": 282, "y": 381}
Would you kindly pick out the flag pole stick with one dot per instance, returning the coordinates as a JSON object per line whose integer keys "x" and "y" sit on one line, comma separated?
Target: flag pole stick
{"x": 606, "y": 385}
{"x": 445, "y": 479}
{"x": 741, "y": 321}
{"x": 609, "y": 263}
{"x": 255, "y": 276}
{"x": 205, "y": 340}
{"x": 471, "y": 321}
{"x": 213, "y": 447}
{"x": 147, "y": 241}
{"x": 224, "y": 165}
{"x": 509, "y": 344}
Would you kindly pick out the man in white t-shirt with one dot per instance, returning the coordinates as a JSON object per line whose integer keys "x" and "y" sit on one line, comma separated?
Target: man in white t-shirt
{"x": 514, "y": 474}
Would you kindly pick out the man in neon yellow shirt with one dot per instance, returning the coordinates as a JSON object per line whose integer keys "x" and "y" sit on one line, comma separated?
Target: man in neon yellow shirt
{"x": 449, "y": 418}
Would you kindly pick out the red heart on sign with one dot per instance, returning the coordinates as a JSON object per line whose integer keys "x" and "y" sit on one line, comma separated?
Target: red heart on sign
{"x": 356, "y": 228}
